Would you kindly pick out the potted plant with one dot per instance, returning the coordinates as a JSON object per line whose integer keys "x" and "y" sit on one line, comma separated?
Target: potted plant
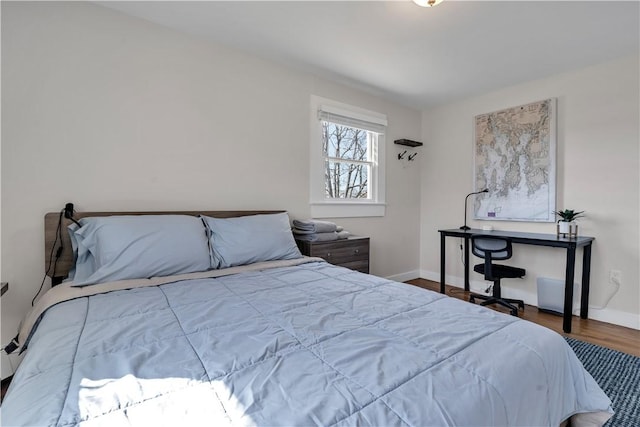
{"x": 567, "y": 218}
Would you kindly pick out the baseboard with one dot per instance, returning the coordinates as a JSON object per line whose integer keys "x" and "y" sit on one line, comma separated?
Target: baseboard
{"x": 403, "y": 277}
{"x": 458, "y": 282}
{"x": 607, "y": 315}
{"x": 621, "y": 318}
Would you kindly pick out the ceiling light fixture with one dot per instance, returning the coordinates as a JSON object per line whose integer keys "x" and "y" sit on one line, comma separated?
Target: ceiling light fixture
{"x": 427, "y": 3}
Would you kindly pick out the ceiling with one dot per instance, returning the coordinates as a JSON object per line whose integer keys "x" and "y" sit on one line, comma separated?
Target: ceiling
{"x": 419, "y": 57}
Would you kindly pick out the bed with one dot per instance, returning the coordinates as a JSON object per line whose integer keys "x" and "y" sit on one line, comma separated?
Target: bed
{"x": 286, "y": 341}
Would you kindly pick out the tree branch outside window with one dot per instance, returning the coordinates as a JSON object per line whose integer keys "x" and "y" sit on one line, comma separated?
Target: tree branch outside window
{"x": 347, "y": 161}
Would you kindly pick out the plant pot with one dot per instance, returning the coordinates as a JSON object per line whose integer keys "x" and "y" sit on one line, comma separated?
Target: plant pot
{"x": 566, "y": 228}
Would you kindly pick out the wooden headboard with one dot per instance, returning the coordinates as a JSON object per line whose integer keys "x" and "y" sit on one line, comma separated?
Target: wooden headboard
{"x": 65, "y": 262}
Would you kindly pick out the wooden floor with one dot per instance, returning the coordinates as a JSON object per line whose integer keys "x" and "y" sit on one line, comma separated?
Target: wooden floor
{"x": 616, "y": 337}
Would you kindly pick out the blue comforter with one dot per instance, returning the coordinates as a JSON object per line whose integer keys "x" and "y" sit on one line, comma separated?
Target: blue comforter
{"x": 312, "y": 344}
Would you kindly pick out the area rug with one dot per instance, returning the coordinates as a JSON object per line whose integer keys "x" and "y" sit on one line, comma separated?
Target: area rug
{"x": 618, "y": 374}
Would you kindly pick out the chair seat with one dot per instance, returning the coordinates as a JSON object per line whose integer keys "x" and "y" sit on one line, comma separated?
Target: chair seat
{"x": 502, "y": 271}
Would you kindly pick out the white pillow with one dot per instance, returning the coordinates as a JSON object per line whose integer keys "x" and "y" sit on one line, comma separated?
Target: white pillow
{"x": 138, "y": 246}
{"x": 249, "y": 239}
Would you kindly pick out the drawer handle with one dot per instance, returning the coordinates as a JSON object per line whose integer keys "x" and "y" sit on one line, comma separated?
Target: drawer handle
{"x": 328, "y": 254}
{"x": 356, "y": 251}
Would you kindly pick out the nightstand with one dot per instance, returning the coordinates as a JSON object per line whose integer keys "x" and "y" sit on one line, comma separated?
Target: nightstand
{"x": 351, "y": 253}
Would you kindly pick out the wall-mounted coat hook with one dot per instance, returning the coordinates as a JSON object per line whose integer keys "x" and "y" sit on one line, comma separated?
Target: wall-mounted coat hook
{"x": 412, "y": 156}
{"x": 401, "y": 156}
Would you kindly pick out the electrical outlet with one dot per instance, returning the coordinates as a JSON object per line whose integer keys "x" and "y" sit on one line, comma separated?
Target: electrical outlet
{"x": 615, "y": 277}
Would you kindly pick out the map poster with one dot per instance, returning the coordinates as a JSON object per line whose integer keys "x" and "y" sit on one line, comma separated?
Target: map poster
{"x": 515, "y": 159}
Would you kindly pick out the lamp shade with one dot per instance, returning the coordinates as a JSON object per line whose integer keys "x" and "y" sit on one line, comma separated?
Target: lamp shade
{"x": 427, "y": 3}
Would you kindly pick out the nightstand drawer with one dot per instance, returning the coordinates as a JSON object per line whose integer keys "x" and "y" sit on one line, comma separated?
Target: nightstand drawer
{"x": 338, "y": 252}
{"x": 361, "y": 266}
{"x": 351, "y": 253}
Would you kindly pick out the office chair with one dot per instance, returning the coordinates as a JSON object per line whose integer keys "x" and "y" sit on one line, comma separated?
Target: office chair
{"x": 493, "y": 248}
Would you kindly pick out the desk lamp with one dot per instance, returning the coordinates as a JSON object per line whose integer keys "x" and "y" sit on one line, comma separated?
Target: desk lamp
{"x": 464, "y": 227}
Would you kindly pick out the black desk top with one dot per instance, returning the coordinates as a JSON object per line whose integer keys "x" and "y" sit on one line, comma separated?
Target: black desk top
{"x": 541, "y": 239}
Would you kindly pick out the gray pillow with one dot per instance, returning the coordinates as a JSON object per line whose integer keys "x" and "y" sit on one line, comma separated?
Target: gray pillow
{"x": 248, "y": 239}
{"x": 84, "y": 264}
{"x": 138, "y": 246}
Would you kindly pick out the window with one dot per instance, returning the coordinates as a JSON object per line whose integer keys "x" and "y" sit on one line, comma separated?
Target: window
{"x": 347, "y": 160}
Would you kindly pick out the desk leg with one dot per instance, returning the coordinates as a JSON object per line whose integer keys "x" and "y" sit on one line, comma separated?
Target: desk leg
{"x": 466, "y": 263}
{"x": 586, "y": 273}
{"x": 568, "y": 289}
{"x": 442, "y": 251}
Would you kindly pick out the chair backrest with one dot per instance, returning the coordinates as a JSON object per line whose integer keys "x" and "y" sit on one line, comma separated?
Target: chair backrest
{"x": 492, "y": 247}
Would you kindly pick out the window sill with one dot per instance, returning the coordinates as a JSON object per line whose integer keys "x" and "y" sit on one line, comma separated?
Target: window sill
{"x": 346, "y": 209}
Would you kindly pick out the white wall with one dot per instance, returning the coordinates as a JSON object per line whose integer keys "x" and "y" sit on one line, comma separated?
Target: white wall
{"x": 598, "y": 164}
{"x": 115, "y": 113}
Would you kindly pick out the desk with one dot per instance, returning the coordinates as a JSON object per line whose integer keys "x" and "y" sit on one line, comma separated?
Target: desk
{"x": 570, "y": 244}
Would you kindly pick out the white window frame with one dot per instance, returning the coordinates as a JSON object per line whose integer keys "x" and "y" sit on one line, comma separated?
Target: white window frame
{"x": 323, "y": 207}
